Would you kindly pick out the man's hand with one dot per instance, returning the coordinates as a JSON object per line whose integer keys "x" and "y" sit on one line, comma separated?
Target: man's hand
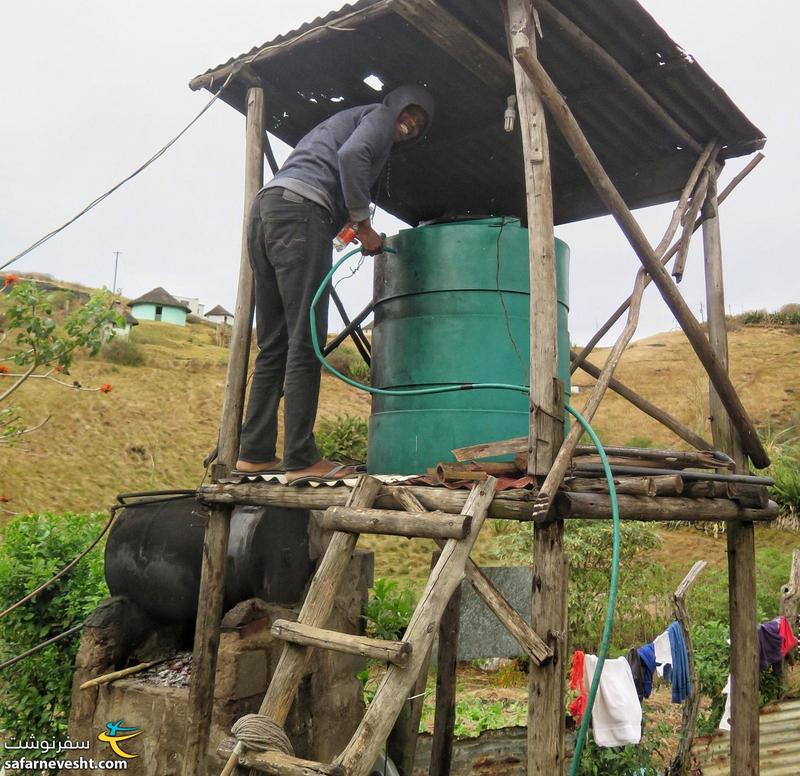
{"x": 371, "y": 241}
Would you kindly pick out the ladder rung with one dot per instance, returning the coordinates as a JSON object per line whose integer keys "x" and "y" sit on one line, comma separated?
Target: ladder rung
{"x": 279, "y": 764}
{"x": 396, "y": 652}
{"x": 425, "y": 525}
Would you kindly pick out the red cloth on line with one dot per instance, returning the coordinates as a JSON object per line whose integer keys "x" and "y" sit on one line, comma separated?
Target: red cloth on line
{"x": 578, "y": 706}
{"x": 788, "y": 639}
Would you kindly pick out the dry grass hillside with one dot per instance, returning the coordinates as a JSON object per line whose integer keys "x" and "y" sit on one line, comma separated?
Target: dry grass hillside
{"x": 156, "y": 426}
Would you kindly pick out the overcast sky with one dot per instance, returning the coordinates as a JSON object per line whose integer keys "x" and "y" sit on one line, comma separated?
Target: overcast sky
{"x": 94, "y": 88}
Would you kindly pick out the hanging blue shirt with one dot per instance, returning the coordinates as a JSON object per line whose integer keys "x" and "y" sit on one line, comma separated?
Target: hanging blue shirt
{"x": 681, "y": 683}
{"x": 647, "y": 654}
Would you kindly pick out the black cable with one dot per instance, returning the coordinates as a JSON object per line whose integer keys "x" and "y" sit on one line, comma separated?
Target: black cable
{"x": 41, "y": 646}
{"x": 139, "y": 169}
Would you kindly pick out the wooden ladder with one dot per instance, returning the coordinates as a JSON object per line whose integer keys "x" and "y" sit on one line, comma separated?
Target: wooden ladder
{"x": 456, "y": 535}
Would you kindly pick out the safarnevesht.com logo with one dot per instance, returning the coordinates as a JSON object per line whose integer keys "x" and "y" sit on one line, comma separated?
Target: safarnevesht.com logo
{"x": 37, "y": 754}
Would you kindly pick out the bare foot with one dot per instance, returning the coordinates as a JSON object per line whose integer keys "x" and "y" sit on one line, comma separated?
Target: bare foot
{"x": 249, "y": 466}
{"x": 323, "y": 468}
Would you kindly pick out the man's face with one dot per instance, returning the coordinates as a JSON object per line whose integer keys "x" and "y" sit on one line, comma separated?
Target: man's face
{"x": 410, "y": 124}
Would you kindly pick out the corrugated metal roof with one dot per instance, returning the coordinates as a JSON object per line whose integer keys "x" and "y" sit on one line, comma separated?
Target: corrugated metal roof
{"x": 467, "y": 163}
{"x": 779, "y": 746}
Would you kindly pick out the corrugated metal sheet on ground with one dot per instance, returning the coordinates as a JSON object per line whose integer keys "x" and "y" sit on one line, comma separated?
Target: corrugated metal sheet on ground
{"x": 779, "y": 728}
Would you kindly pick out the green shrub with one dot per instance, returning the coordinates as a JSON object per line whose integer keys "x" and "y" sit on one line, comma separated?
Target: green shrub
{"x": 343, "y": 438}
{"x": 643, "y": 759}
{"x": 389, "y": 609}
{"x": 785, "y": 470}
{"x": 348, "y": 361}
{"x": 122, "y": 351}
{"x": 639, "y": 441}
{"x": 710, "y": 644}
{"x": 35, "y": 692}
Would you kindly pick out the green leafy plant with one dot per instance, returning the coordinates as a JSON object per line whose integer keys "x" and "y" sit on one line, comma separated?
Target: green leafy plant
{"x": 389, "y": 609}
{"x": 474, "y": 715}
{"x": 344, "y": 438}
{"x": 43, "y": 347}
{"x": 643, "y": 759}
{"x": 711, "y": 650}
{"x": 35, "y": 692}
{"x": 348, "y": 361}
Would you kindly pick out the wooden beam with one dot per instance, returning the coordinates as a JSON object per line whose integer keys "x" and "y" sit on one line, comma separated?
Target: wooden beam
{"x": 276, "y": 763}
{"x": 383, "y": 650}
{"x": 601, "y": 59}
{"x": 615, "y": 316}
{"x": 790, "y": 592}
{"x": 740, "y": 536}
{"x": 605, "y": 188}
{"x": 428, "y": 525}
{"x": 215, "y": 543}
{"x": 655, "y": 412}
{"x": 597, "y": 506}
{"x": 463, "y": 45}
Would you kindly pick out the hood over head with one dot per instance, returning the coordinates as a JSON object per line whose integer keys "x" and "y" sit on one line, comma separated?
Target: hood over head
{"x": 411, "y": 94}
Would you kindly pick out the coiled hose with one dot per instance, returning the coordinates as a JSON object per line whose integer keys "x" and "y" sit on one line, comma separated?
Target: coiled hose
{"x": 612, "y": 593}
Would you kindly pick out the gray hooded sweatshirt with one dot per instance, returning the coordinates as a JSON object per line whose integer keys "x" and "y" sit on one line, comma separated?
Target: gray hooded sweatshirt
{"x": 337, "y": 162}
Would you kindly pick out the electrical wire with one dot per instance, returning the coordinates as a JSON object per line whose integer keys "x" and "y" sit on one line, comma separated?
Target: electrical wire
{"x": 38, "y": 647}
{"x": 108, "y": 193}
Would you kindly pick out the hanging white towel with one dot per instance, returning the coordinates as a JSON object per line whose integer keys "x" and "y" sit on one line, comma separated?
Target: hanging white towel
{"x": 725, "y": 722}
{"x": 617, "y": 713}
{"x": 663, "y": 652}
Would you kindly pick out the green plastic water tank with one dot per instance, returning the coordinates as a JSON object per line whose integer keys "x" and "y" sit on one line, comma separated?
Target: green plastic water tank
{"x": 452, "y": 306}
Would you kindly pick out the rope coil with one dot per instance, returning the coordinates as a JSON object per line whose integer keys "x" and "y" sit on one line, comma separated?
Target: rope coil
{"x": 260, "y": 734}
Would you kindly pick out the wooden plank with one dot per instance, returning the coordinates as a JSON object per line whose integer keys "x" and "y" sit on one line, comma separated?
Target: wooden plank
{"x": 215, "y": 546}
{"x": 429, "y": 525}
{"x": 740, "y": 536}
{"x": 395, "y": 652}
{"x": 360, "y": 753}
{"x": 463, "y": 45}
{"x": 491, "y": 449}
{"x": 277, "y": 763}
{"x": 604, "y": 61}
{"x": 533, "y": 646}
{"x": 445, "y": 714}
{"x": 636, "y": 237}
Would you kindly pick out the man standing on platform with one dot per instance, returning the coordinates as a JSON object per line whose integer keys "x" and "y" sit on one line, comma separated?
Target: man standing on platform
{"x": 323, "y": 186}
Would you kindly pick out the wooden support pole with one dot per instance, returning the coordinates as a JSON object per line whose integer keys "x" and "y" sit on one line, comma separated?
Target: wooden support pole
{"x": 445, "y": 715}
{"x": 615, "y": 316}
{"x": 616, "y": 205}
{"x": 547, "y": 682}
{"x": 790, "y": 592}
{"x": 691, "y": 706}
{"x": 740, "y": 535}
{"x": 215, "y": 544}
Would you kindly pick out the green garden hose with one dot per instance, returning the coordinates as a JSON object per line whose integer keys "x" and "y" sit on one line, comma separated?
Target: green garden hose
{"x": 612, "y": 593}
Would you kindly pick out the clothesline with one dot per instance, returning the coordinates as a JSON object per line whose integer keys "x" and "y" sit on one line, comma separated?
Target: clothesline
{"x": 626, "y": 681}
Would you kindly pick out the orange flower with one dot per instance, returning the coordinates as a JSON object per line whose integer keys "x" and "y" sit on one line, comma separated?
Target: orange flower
{"x": 11, "y": 280}
{"x": 3, "y": 369}
{"x": 106, "y": 388}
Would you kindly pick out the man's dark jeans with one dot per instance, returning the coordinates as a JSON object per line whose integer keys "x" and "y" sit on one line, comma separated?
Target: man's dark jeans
{"x": 289, "y": 239}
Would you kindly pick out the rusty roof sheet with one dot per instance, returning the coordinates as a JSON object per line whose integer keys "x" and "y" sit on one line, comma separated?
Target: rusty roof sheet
{"x": 467, "y": 163}
{"x": 779, "y": 744}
